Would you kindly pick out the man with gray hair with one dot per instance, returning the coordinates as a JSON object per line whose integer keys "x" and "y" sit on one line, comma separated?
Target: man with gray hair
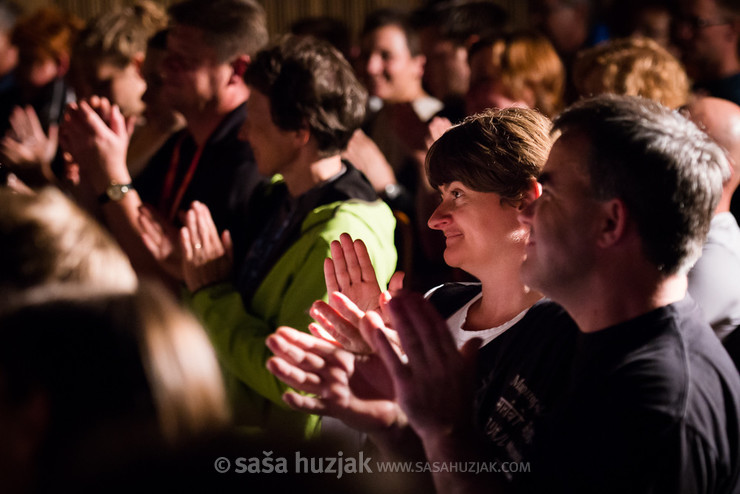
{"x": 629, "y": 191}
{"x": 653, "y": 400}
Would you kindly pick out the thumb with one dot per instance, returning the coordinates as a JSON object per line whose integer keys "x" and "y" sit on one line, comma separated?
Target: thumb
{"x": 395, "y": 284}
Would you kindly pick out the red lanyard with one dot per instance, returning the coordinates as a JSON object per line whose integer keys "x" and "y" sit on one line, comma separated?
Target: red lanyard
{"x": 170, "y": 179}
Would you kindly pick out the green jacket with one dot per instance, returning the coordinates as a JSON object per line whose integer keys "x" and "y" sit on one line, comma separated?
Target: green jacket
{"x": 238, "y": 330}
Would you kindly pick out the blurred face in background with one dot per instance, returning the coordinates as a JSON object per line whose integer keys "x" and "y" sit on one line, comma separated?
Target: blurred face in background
{"x": 704, "y": 35}
{"x": 446, "y": 72}
{"x": 487, "y": 89}
{"x": 389, "y": 70}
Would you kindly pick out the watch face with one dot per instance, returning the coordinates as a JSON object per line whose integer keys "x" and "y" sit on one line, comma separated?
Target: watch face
{"x": 116, "y": 192}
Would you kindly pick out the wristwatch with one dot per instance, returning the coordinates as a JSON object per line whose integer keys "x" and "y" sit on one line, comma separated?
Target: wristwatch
{"x": 114, "y": 192}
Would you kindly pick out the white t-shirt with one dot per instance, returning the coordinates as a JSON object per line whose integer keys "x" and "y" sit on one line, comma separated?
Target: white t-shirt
{"x": 457, "y": 320}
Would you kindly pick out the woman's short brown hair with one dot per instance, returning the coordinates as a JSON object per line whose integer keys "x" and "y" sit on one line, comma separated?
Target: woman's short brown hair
{"x": 499, "y": 151}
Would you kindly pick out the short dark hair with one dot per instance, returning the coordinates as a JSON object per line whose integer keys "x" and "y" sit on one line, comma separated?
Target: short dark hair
{"x": 310, "y": 85}
{"x": 458, "y": 22}
{"x": 231, "y": 27}
{"x": 393, "y": 17}
{"x": 499, "y": 151}
{"x": 666, "y": 170}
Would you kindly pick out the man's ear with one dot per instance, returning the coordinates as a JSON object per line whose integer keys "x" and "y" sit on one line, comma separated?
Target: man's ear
{"x": 533, "y": 192}
{"x": 303, "y": 135}
{"x": 137, "y": 60}
{"x": 420, "y": 61}
{"x": 613, "y": 224}
{"x": 239, "y": 66}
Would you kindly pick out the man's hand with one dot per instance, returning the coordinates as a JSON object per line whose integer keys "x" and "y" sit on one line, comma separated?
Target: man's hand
{"x": 96, "y": 135}
{"x": 162, "y": 240}
{"x": 434, "y": 387}
{"x": 207, "y": 258}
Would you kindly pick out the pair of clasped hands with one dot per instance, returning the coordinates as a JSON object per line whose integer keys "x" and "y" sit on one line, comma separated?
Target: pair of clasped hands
{"x": 96, "y": 135}
{"x": 354, "y": 367}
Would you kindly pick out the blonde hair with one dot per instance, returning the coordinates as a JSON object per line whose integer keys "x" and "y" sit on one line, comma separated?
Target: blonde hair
{"x": 134, "y": 358}
{"x": 632, "y": 67}
{"x": 525, "y": 63}
{"x": 181, "y": 366}
{"x": 119, "y": 35}
{"x": 48, "y": 239}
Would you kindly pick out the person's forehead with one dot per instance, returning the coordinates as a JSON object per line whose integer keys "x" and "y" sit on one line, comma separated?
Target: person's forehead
{"x": 107, "y": 70}
{"x": 386, "y": 37}
{"x": 567, "y": 160}
{"x": 700, "y": 7}
{"x": 185, "y": 39}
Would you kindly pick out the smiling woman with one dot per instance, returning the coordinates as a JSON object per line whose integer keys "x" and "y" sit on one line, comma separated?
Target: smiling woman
{"x": 486, "y": 170}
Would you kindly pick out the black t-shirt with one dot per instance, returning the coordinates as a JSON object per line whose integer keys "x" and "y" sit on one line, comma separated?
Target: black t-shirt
{"x": 652, "y": 405}
{"x": 224, "y": 179}
{"x": 520, "y": 374}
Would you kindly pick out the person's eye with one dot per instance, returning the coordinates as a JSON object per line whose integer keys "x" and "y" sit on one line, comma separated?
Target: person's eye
{"x": 456, "y": 193}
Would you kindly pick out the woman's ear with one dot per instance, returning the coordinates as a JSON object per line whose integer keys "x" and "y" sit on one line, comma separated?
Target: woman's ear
{"x": 534, "y": 190}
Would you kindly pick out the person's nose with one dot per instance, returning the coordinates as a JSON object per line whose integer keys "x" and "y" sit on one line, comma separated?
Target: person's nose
{"x": 374, "y": 64}
{"x": 440, "y": 217}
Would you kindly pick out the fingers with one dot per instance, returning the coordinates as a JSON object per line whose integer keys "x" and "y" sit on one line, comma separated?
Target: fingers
{"x": 351, "y": 259}
{"x": 303, "y": 403}
{"x": 423, "y": 328}
{"x": 191, "y": 224}
{"x": 319, "y": 332}
{"x": 330, "y": 277}
{"x": 343, "y": 331}
{"x": 397, "y": 369}
{"x": 149, "y": 223}
{"x": 371, "y": 323}
{"x": 207, "y": 231}
{"x": 187, "y": 245}
{"x": 305, "y": 341}
{"x": 293, "y": 376}
{"x": 367, "y": 271}
{"x": 117, "y": 122}
{"x": 346, "y": 308}
{"x": 292, "y": 353}
{"x": 395, "y": 285}
{"x": 33, "y": 122}
{"x": 228, "y": 245}
{"x": 413, "y": 343}
{"x": 340, "y": 266}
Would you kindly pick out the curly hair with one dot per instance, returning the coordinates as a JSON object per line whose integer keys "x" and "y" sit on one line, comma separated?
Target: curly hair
{"x": 632, "y": 67}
